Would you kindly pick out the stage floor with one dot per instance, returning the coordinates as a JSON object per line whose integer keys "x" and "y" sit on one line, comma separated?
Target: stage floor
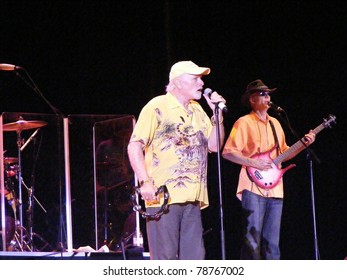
{"x": 73, "y": 256}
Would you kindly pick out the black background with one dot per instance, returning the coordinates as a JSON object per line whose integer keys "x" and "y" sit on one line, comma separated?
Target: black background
{"x": 111, "y": 57}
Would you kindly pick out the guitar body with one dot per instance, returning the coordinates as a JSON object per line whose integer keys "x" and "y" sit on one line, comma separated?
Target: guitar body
{"x": 267, "y": 179}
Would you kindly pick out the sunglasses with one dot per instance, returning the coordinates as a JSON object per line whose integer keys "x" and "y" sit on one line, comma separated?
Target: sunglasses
{"x": 264, "y": 93}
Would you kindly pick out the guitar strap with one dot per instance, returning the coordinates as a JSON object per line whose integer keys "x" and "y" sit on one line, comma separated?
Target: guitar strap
{"x": 275, "y": 136}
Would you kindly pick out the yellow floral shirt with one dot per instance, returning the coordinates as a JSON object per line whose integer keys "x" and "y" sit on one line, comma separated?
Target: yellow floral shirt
{"x": 176, "y": 147}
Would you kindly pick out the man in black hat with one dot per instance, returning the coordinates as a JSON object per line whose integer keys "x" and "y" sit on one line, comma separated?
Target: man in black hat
{"x": 256, "y": 139}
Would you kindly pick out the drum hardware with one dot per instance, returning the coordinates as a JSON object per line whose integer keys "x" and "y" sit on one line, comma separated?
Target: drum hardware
{"x": 45, "y": 244}
{"x": 20, "y": 240}
{"x": 31, "y": 197}
{"x": 10, "y": 174}
{"x": 23, "y": 239}
{"x": 27, "y": 243}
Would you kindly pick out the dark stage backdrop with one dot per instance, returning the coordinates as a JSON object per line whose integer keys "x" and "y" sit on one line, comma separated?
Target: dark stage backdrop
{"x": 111, "y": 57}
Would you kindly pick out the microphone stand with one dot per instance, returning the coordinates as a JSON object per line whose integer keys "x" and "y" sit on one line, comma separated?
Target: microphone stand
{"x": 216, "y": 113}
{"x": 60, "y": 118}
{"x": 310, "y": 155}
{"x": 316, "y": 250}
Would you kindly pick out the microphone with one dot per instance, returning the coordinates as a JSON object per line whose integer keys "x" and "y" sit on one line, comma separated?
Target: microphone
{"x": 9, "y": 67}
{"x": 275, "y": 107}
{"x": 221, "y": 105}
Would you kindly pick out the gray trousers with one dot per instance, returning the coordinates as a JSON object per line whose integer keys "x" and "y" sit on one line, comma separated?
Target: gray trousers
{"x": 176, "y": 235}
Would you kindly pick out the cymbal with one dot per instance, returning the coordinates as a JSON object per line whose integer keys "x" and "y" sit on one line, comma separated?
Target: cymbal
{"x": 23, "y": 125}
{"x": 10, "y": 160}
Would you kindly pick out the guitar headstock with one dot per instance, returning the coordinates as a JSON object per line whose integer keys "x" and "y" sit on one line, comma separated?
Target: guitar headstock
{"x": 329, "y": 121}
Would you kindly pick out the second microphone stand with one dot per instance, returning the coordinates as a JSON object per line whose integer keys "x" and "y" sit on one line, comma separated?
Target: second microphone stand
{"x": 221, "y": 215}
{"x": 310, "y": 155}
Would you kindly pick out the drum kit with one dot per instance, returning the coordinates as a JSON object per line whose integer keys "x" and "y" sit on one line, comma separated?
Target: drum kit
{"x": 18, "y": 237}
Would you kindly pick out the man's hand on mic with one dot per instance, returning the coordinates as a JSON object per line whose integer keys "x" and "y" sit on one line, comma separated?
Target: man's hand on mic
{"x": 214, "y": 98}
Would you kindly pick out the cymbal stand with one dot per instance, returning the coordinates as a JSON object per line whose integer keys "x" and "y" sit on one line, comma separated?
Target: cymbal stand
{"x": 31, "y": 198}
{"x": 18, "y": 241}
{"x": 30, "y": 217}
{"x": 20, "y": 196}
